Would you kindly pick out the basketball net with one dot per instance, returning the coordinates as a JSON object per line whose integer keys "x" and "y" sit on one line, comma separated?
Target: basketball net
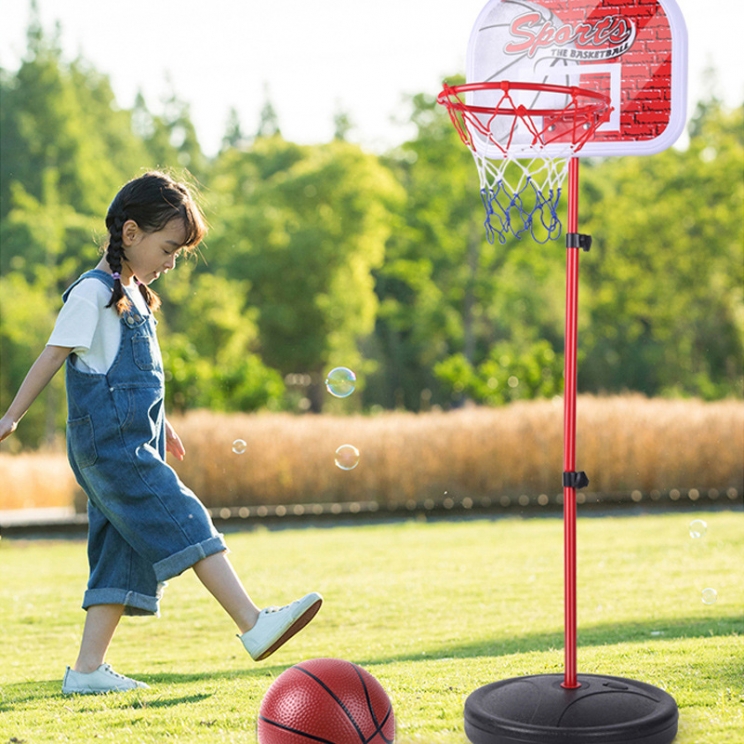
{"x": 521, "y": 153}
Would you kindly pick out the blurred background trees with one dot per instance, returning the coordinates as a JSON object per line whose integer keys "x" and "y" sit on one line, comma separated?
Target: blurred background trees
{"x": 328, "y": 255}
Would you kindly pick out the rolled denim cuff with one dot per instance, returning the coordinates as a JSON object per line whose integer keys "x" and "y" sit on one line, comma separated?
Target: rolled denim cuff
{"x": 177, "y": 563}
{"x": 134, "y": 602}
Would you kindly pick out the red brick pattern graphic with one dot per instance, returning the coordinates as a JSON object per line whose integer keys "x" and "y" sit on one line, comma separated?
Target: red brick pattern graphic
{"x": 646, "y": 66}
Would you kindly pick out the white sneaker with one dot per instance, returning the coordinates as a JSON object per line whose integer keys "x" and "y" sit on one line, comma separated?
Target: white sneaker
{"x": 276, "y": 625}
{"x": 104, "y": 679}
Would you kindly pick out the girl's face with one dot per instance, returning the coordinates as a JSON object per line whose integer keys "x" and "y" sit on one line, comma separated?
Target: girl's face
{"x": 148, "y": 255}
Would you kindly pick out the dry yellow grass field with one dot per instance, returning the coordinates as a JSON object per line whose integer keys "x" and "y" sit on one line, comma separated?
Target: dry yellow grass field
{"x": 625, "y": 444}
{"x": 39, "y": 479}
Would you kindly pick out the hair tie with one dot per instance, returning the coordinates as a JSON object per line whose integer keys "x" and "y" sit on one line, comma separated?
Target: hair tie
{"x": 116, "y": 275}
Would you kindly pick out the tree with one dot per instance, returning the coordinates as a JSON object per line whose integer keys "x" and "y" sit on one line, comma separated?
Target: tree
{"x": 663, "y": 286}
{"x": 26, "y": 316}
{"x": 63, "y": 117}
{"x": 43, "y": 242}
{"x": 661, "y": 290}
{"x": 209, "y": 342}
{"x": 448, "y": 297}
{"x": 67, "y": 148}
{"x": 182, "y": 137}
{"x": 342, "y": 125}
{"x": 306, "y": 226}
{"x": 268, "y": 124}
{"x": 327, "y": 255}
{"x": 234, "y": 136}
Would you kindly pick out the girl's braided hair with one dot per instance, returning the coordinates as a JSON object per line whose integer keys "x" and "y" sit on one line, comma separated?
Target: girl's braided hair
{"x": 152, "y": 201}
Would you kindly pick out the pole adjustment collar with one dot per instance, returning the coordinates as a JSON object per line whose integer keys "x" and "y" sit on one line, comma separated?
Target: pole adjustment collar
{"x": 575, "y": 480}
{"x": 577, "y": 240}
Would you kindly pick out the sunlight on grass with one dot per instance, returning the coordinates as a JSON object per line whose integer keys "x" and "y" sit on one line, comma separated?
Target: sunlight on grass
{"x": 433, "y": 610}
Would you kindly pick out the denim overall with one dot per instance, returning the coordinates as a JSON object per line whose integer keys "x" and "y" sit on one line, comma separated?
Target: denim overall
{"x": 145, "y": 526}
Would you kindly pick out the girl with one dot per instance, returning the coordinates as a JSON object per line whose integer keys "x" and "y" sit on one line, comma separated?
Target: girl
{"x": 145, "y": 526}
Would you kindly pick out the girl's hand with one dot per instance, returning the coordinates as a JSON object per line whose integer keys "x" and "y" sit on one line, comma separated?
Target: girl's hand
{"x": 173, "y": 443}
{"x": 7, "y": 427}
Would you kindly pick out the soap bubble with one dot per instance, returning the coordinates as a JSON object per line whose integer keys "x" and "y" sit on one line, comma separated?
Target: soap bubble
{"x": 710, "y": 596}
{"x": 239, "y": 446}
{"x": 347, "y": 457}
{"x": 341, "y": 382}
{"x": 698, "y": 528}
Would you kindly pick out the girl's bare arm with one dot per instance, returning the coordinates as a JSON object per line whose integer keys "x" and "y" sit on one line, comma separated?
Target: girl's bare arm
{"x": 38, "y": 377}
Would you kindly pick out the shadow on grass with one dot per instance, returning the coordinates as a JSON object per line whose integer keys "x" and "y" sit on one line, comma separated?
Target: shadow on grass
{"x": 18, "y": 694}
{"x": 607, "y": 634}
{"x": 159, "y": 702}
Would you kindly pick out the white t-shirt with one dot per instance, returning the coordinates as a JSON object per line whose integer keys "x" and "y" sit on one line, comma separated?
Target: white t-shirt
{"x": 89, "y": 328}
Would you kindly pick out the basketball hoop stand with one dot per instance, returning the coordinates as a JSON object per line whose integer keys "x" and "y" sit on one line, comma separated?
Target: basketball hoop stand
{"x": 571, "y": 708}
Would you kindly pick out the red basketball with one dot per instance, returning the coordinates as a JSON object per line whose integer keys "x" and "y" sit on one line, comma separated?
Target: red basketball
{"x": 326, "y": 700}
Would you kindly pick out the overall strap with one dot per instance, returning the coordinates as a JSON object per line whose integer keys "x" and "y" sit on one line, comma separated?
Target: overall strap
{"x": 102, "y": 276}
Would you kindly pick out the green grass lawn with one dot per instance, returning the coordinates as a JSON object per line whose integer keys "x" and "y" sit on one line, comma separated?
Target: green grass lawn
{"x": 433, "y": 610}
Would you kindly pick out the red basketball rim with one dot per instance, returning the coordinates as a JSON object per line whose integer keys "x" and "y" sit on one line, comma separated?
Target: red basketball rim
{"x": 598, "y": 107}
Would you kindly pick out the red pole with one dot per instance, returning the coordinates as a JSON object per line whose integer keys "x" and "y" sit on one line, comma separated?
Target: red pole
{"x": 569, "y": 430}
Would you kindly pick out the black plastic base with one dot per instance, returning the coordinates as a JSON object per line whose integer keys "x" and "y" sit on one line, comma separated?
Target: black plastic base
{"x": 537, "y": 710}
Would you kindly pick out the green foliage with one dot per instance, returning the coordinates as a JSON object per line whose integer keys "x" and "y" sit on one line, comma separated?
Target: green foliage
{"x": 64, "y": 117}
{"x": 209, "y": 347}
{"x": 45, "y": 238}
{"x": 234, "y": 136}
{"x": 67, "y": 148}
{"x": 182, "y": 145}
{"x": 449, "y": 299}
{"x": 506, "y": 375}
{"x": 664, "y": 287}
{"x": 26, "y": 318}
{"x": 324, "y": 255}
{"x": 661, "y": 299}
{"x": 268, "y": 121}
{"x": 43, "y": 242}
{"x": 312, "y": 225}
